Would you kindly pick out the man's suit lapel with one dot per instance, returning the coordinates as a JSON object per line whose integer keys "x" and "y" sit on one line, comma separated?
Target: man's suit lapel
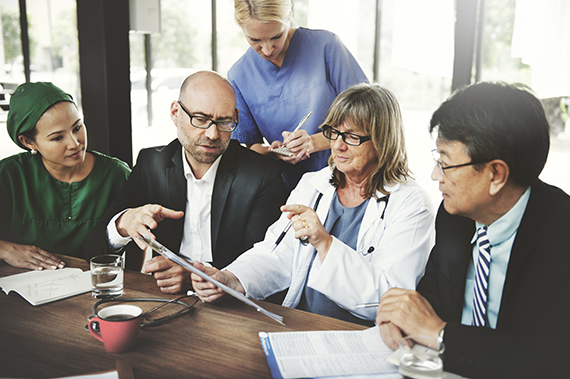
{"x": 458, "y": 249}
{"x": 175, "y": 187}
{"x": 525, "y": 241}
{"x": 459, "y": 264}
{"x": 222, "y": 185}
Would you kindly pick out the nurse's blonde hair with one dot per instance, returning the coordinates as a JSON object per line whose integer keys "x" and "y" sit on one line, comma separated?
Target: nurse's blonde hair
{"x": 263, "y": 10}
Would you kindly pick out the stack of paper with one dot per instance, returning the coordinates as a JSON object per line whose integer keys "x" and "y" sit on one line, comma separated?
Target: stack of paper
{"x": 328, "y": 353}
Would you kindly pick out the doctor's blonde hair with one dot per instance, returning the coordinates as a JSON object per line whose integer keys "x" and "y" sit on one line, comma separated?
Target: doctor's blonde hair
{"x": 371, "y": 109}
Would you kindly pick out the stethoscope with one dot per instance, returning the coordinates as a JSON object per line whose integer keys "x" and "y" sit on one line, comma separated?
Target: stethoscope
{"x": 370, "y": 250}
{"x": 146, "y": 321}
{"x": 385, "y": 200}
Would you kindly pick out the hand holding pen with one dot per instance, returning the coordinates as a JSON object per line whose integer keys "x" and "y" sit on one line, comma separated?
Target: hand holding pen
{"x": 304, "y": 240}
{"x": 296, "y": 144}
{"x": 307, "y": 225}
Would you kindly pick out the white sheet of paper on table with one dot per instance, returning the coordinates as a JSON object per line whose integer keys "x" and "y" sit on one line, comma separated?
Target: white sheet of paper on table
{"x": 328, "y": 354}
{"x": 40, "y": 287}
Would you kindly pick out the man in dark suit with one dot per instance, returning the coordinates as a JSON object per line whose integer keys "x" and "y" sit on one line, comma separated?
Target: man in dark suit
{"x": 203, "y": 195}
{"x": 496, "y": 217}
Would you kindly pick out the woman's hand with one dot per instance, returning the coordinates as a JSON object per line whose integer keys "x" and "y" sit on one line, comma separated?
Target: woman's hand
{"x": 307, "y": 224}
{"x": 299, "y": 143}
{"x": 208, "y": 292}
{"x": 293, "y": 159}
{"x": 27, "y": 256}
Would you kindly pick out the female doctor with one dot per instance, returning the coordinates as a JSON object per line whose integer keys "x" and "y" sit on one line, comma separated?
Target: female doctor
{"x": 377, "y": 229}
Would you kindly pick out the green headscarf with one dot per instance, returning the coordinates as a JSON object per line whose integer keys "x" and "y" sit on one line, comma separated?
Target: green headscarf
{"x": 28, "y": 103}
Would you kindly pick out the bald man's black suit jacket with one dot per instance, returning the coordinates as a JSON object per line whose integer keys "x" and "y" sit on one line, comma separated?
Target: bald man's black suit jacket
{"x": 248, "y": 191}
{"x": 532, "y": 338}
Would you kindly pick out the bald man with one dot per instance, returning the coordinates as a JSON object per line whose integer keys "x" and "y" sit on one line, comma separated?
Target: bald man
{"x": 203, "y": 195}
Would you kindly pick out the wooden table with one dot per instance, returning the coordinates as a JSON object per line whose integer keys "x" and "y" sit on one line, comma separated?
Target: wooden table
{"x": 212, "y": 341}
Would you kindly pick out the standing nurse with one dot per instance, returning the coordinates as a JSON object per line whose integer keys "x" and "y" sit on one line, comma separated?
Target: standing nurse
{"x": 286, "y": 74}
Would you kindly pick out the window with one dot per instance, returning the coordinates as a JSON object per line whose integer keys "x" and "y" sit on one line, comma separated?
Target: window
{"x": 52, "y": 33}
{"x": 527, "y": 42}
{"x": 12, "y": 68}
{"x": 182, "y": 47}
{"x": 416, "y": 63}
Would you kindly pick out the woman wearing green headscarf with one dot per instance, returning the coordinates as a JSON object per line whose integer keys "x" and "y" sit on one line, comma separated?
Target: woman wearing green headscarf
{"x": 52, "y": 195}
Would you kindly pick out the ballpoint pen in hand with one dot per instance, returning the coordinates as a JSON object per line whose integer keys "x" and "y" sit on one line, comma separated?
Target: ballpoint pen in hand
{"x": 304, "y": 240}
{"x": 285, "y": 151}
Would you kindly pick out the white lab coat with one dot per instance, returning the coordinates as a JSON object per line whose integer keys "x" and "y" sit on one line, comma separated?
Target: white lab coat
{"x": 391, "y": 252}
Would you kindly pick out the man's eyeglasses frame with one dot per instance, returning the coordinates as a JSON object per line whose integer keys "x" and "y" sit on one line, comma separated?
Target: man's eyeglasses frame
{"x": 217, "y": 123}
{"x": 435, "y": 155}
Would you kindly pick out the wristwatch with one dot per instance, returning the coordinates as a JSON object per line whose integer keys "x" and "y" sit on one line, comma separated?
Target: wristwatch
{"x": 440, "y": 334}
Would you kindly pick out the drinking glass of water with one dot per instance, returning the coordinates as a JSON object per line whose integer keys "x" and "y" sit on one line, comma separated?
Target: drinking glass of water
{"x": 420, "y": 357}
{"x": 106, "y": 276}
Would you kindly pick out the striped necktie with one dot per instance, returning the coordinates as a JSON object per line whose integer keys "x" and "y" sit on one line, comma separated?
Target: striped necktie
{"x": 481, "y": 278}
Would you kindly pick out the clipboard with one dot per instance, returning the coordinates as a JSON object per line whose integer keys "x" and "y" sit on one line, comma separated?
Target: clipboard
{"x": 188, "y": 264}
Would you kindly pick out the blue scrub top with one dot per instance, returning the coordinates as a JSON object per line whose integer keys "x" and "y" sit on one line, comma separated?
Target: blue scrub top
{"x": 271, "y": 99}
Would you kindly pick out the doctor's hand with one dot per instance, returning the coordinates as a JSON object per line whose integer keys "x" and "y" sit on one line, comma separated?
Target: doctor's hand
{"x": 208, "y": 292}
{"x": 170, "y": 277}
{"x": 307, "y": 224}
{"x": 408, "y": 311}
{"x": 28, "y": 256}
{"x": 137, "y": 221}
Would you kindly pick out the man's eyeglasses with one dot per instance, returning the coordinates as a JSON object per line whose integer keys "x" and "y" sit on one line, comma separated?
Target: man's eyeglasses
{"x": 435, "y": 154}
{"x": 349, "y": 138}
{"x": 202, "y": 122}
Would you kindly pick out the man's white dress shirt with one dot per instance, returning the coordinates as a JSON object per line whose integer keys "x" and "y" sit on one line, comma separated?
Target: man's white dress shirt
{"x": 196, "y": 238}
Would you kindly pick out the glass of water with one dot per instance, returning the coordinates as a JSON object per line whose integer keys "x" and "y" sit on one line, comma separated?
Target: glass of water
{"x": 106, "y": 276}
{"x": 420, "y": 357}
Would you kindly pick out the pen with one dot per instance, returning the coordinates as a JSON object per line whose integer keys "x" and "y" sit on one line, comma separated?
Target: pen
{"x": 282, "y": 150}
{"x": 304, "y": 240}
{"x": 265, "y": 141}
{"x": 303, "y": 121}
{"x": 367, "y": 305}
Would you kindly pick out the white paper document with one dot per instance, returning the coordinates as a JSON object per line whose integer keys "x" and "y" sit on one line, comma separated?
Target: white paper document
{"x": 326, "y": 353}
{"x": 104, "y": 375}
{"x": 40, "y": 287}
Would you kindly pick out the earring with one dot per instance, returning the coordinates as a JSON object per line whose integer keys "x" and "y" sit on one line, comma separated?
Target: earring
{"x": 34, "y": 151}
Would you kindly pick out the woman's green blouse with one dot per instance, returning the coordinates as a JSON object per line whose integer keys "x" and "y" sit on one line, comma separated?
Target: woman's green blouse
{"x": 36, "y": 209}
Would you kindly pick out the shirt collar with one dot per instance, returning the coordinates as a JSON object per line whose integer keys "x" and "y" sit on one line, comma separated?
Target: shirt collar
{"x": 502, "y": 229}
{"x": 321, "y": 182}
{"x": 210, "y": 175}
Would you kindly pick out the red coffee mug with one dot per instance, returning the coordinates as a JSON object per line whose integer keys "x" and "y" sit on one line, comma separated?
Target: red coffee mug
{"x": 119, "y": 327}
